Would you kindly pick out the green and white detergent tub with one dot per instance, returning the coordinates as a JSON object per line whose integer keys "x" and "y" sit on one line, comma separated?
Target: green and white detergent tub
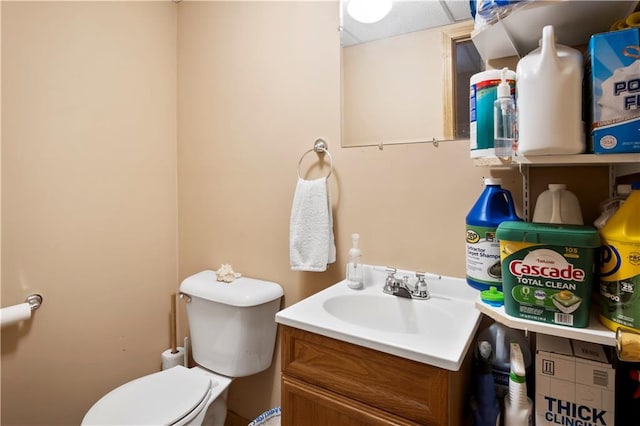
{"x": 548, "y": 271}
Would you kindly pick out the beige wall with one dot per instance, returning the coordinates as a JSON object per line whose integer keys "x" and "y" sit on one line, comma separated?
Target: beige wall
{"x": 89, "y": 163}
{"x": 254, "y": 94}
{"x": 393, "y": 89}
{"x": 89, "y": 199}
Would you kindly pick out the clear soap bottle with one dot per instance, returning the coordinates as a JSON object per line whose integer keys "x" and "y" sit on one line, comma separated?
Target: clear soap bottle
{"x": 505, "y": 120}
{"x": 355, "y": 271}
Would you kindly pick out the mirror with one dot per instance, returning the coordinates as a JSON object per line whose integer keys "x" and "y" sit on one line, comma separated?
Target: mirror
{"x": 399, "y": 75}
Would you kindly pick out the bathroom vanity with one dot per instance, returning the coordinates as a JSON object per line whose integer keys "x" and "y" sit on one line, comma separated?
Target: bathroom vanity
{"x": 329, "y": 382}
{"x": 363, "y": 357}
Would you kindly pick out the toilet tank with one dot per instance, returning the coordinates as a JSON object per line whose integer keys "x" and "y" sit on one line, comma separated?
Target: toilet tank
{"x": 232, "y": 325}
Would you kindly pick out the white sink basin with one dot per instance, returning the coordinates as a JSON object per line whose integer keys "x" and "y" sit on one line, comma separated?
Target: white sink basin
{"x": 437, "y": 331}
{"x": 397, "y": 315}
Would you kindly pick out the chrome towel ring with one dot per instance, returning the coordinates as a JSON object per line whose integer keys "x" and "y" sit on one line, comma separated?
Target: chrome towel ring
{"x": 320, "y": 147}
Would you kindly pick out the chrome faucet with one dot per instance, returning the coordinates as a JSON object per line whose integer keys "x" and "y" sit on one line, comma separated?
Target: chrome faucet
{"x": 400, "y": 286}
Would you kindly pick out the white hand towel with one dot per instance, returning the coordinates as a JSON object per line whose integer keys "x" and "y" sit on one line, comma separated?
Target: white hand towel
{"x": 311, "y": 242}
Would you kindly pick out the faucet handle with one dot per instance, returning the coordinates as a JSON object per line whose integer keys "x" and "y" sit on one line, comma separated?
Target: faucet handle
{"x": 421, "y": 291}
{"x": 389, "y": 282}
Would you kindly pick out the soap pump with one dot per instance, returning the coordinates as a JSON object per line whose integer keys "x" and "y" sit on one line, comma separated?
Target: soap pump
{"x": 504, "y": 119}
{"x": 355, "y": 271}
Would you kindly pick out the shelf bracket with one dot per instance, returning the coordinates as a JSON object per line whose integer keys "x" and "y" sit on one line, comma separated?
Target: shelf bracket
{"x": 612, "y": 180}
{"x": 524, "y": 172}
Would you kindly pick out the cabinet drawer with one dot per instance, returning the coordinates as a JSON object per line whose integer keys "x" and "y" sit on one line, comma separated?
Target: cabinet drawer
{"x": 305, "y": 404}
{"x": 410, "y": 389}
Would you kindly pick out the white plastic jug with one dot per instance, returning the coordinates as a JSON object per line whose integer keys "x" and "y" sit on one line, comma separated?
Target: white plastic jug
{"x": 549, "y": 101}
{"x": 558, "y": 205}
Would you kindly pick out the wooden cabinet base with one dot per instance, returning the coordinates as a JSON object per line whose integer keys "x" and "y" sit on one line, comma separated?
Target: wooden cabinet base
{"x": 329, "y": 382}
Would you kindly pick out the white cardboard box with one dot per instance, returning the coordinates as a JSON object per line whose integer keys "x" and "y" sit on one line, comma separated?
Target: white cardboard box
{"x": 575, "y": 383}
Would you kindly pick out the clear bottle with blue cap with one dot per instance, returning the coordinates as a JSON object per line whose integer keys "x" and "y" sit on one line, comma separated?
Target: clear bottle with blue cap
{"x": 505, "y": 119}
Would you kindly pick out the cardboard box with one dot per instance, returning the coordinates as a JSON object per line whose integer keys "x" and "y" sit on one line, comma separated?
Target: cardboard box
{"x": 613, "y": 91}
{"x": 575, "y": 383}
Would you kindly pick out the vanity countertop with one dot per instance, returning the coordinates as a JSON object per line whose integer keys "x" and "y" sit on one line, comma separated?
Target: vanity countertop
{"x": 438, "y": 331}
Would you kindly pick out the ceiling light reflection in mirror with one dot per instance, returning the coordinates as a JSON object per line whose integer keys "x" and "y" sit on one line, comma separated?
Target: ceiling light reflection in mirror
{"x": 402, "y": 17}
{"x": 368, "y": 11}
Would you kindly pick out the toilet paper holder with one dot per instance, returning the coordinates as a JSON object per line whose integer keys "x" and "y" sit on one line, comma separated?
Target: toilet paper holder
{"x": 21, "y": 312}
{"x": 34, "y": 301}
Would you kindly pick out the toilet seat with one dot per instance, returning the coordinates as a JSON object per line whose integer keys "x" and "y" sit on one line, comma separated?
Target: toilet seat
{"x": 169, "y": 397}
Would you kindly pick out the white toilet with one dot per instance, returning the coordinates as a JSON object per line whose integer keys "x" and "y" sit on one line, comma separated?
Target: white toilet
{"x": 233, "y": 333}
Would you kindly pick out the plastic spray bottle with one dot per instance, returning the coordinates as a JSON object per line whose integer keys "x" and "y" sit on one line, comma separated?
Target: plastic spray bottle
{"x": 355, "y": 271}
{"x": 505, "y": 119}
{"x": 518, "y": 407}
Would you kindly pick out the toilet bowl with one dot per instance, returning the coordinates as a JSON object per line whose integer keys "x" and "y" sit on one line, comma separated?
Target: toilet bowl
{"x": 177, "y": 396}
{"x": 240, "y": 344}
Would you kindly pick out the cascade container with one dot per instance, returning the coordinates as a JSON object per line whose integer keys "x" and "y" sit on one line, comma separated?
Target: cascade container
{"x": 548, "y": 271}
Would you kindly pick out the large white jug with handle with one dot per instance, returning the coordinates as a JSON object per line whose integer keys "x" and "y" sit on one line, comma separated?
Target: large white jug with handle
{"x": 549, "y": 88}
{"x": 558, "y": 205}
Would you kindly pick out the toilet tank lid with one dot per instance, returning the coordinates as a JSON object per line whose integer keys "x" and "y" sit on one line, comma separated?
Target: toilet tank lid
{"x": 241, "y": 292}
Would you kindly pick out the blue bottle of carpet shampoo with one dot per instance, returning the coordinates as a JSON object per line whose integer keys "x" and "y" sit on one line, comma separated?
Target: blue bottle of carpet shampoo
{"x": 494, "y": 206}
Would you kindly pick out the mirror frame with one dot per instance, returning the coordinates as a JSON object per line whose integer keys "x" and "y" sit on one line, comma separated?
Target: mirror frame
{"x": 451, "y": 36}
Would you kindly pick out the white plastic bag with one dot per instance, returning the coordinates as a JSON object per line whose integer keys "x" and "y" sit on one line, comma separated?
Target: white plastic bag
{"x": 488, "y": 12}
{"x": 268, "y": 418}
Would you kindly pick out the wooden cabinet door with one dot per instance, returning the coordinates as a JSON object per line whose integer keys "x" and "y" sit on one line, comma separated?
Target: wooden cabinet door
{"x": 307, "y": 405}
{"x": 409, "y": 389}
{"x": 330, "y": 382}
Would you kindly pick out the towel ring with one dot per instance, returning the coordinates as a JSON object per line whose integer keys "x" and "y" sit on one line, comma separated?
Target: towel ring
{"x": 319, "y": 146}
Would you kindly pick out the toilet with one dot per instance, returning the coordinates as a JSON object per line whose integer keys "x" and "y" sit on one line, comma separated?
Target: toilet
{"x": 233, "y": 334}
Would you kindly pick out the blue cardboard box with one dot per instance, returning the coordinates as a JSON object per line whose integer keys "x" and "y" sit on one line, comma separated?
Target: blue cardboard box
{"x": 613, "y": 91}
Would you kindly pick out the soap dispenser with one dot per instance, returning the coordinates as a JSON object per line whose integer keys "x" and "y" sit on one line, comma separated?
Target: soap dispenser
{"x": 505, "y": 119}
{"x": 355, "y": 271}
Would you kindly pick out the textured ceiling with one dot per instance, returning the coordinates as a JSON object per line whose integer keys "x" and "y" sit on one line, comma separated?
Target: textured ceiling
{"x": 405, "y": 16}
